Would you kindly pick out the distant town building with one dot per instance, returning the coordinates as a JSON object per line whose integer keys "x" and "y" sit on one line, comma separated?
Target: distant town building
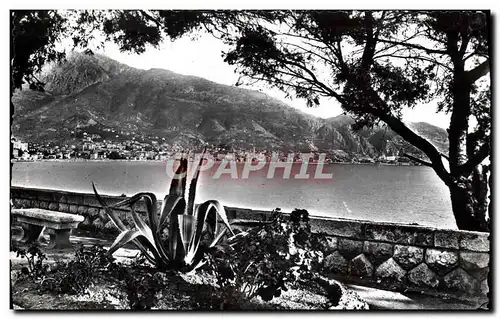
{"x": 88, "y": 146}
{"x": 20, "y": 145}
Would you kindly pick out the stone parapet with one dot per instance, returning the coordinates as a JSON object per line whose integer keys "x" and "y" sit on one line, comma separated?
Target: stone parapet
{"x": 387, "y": 255}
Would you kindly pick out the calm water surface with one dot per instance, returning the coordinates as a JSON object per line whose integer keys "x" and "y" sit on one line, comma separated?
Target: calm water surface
{"x": 404, "y": 194}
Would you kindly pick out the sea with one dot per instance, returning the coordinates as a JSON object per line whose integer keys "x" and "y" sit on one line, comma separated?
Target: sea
{"x": 384, "y": 193}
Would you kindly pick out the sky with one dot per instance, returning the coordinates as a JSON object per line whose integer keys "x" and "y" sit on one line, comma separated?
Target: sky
{"x": 202, "y": 57}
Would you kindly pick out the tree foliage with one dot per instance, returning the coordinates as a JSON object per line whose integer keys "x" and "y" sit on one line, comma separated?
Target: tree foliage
{"x": 375, "y": 64}
{"x": 33, "y": 44}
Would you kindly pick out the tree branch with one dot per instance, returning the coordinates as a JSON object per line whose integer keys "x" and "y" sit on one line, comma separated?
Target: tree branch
{"x": 452, "y": 51}
{"x": 478, "y": 72}
{"x": 476, "y": 159}
{"x": 314, "y": 79}
{"x": 414, "y": 46}
{"x": 304, "y": 38}
{"x": 295, "y": 86}
{"x": 151, "y": 18}
{"x": 371, "y": 42}
{"x": 289, "y": 83}
{"x": 326, "y": 60}
{"x": 419, "y": 142}
{"x": 429, "y": 35}
{"x": 376, "y": 55}
{"x": 464, "y": 44}
{"x": 340, "y": 57}
{"x": 421, "y": 58}
{"x": 294, "y": 74}
{"x": 418, "y": 160}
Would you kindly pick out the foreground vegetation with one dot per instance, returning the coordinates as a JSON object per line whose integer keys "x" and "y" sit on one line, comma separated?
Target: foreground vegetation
{"x": 274, "y": 266}
{"x": 183, "y": 247}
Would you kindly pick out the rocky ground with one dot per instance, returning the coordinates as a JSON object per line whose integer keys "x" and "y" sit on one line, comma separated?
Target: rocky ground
{"x": 194, "y": 291}
{"x": 178, "y": 293}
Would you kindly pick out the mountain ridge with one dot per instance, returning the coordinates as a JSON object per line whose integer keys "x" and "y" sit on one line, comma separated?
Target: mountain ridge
{"x": 187, "y": 109}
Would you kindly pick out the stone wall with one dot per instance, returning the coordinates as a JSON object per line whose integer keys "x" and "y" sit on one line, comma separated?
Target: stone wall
{"x": 391, "y": 256}
{"x": 406, "y": 257}
{"x": 96, "y": 219}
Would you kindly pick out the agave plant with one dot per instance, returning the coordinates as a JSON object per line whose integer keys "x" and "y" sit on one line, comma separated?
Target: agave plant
{"x": 173, "y": 238}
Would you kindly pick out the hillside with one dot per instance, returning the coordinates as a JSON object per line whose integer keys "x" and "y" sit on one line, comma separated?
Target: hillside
{"x": 101, "y": 94}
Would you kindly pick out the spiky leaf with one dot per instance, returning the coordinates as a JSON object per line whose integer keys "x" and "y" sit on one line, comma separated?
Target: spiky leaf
{"x": 178, "y": 184}
{"x": 194, "y": 182}
{"x": 121, "y": 227}
{"x": 123, "y": 238}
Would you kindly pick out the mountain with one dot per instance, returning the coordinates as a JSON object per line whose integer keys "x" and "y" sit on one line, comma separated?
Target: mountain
{"x": 102, "y": 96}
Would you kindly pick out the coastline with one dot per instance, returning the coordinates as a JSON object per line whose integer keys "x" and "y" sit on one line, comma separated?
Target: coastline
{"x": 160, "y": 161}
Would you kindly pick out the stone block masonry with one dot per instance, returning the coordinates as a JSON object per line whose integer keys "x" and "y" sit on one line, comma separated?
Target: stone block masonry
{"x": 384, "y": 255}
{"x": 408, "y": 257}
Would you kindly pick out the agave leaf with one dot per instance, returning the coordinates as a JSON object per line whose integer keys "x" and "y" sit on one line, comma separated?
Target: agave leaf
{"x": 152, "y": 237}
{"x": 130, "y": 235}
{"x": 195, "y": 261}
{"x": 186, "y": 226}
{"x": 124, "y": 238}
{"x": 221, "y": 211}
{"x": 178, "y": 183}
{"x": 194, "y": 182}
{"x": 142, "y": 227}
{"x": 170, "y": 203}
{"x": 206, "y": 214}
{"x": 198, "y": 264}
{"x": 201, "y": 215}
{"x": 119, "y": 224}
{"x": 177, "y": 188}
{"x": 133, "y": 236}
{"x": 234, "y": 240}
{"x": 205, "y": 209}
{"x": 151, "y": 205}
{"x": 149, "y": 198}
{"x": 217, "y": 238}
{"x": 211, "y": 222}
{"x": 175, "y": 247}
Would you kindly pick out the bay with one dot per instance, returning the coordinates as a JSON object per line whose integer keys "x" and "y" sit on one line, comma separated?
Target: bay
{"x": 400, "y": 194}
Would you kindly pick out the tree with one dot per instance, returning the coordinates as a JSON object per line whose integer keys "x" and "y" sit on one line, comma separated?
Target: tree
{"x": 35, "y": 36}
{"x": 444, "y": 56}
{"x": 115, "y": 155}
{"x": 33, "y": 40}
{"x": 374, "y": 63}
{"x": 32, "y": 44}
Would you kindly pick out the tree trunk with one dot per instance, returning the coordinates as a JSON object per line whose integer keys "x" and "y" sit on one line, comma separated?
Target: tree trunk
{"x": 468, "y": 199}
{"x": 490, "y": 197}
{"x": 480, "y": 191}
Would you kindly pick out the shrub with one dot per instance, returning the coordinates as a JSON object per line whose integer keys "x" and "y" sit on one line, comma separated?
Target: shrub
{"x": 142, "y": 290}
{"x": 265, "y": 259}
{"x": 35, "y": 257}
{"x": 78, "y": 274}
{"x": 173, "y": 238}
